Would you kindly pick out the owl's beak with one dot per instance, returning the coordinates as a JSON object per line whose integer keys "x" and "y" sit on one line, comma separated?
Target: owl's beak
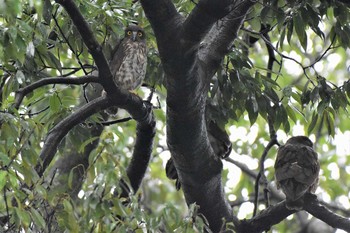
{"x": 134, "y": 36}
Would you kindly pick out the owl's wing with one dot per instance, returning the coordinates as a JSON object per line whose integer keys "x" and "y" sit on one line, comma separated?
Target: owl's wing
{"x": 285, "y": 163}
{"x": 307, "y": 159}
{"x": 118, "y": 55}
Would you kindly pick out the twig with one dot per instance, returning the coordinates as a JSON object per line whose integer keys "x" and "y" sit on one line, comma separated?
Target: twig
{"x": 108, "y": 123}
{"x": 69, "y": 45}
{"x": 261, "y": 175}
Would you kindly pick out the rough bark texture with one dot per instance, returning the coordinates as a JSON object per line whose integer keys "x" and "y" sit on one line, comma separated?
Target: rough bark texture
{"x": 189, "y": 65}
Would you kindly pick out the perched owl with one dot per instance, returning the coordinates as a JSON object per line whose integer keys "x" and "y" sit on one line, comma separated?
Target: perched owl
{"x": 220, "y": 142}
{"x": 296, "y": 170}
{"x": 129, "y": 60}
{"x": 128, "y": 64}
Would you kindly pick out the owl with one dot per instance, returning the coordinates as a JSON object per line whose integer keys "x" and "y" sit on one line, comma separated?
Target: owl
{"x": 128, "y": 64}
{"x": 297, "y": 170}
{"x": 129, "y": 61}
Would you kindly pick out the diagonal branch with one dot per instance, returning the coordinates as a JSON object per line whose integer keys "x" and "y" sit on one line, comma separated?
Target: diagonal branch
{"x": 202, "y": 18}
{"x": 312, "y": 205}
{"x": 265, "y": 219}
{"x": 217, "y": 42}
{"x": 60, "y": 130}
{"x": 166, "y": 23}
{"x": 161, "y": 14}
{"x": 21, "y": 93}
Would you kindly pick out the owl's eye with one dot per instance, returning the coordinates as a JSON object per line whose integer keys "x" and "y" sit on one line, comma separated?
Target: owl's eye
{"x": 129, "y": 33}
{"x": 139, "y": 34}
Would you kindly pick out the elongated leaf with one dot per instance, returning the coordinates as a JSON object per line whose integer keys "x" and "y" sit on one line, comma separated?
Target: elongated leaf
{"x": 300, "y": 30}
{"x": 37, "y": 218}
{"x": 55, "y": 103}
{"x": 313, "y": 123}
{"x": 3, "y": 175}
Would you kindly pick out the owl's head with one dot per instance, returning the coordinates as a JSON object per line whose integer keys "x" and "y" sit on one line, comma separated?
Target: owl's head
{"x": 135, "y": 33}
{"x": 300, "y": 140}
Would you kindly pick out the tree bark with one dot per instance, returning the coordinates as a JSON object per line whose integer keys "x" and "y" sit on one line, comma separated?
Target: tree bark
{"x": 191, "y": 51}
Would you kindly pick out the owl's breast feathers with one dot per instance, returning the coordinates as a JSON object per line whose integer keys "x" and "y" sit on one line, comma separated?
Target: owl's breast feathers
{"x": 132, "y": 70}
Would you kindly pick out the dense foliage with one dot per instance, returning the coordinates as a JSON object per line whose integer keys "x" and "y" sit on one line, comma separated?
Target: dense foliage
{"x": 286, "y": 73}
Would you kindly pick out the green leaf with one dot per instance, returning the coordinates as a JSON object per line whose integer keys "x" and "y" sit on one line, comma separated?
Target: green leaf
{"x": 47, "y": 11}
{"x": 84, "y": 144}
{"x": 37, "y": 218}
{"x": 330, "y": 123}
{"x": 300, "y": 30}
{"x": 287, "y": 91}
{"x": 3, "y": 179}
{"x": 290, "y": 30}
{"x": 55, "y": 103}
{"x": 291, "y": 113}
{"x": 313, "y": 123}
{"x": 54, "y": 62}
{"x": 252, "y": 109}
{"x": 67, "y": 206}
{"x": 70, "y": 178}
{"x": 23, "y": 216}
{"x": 265, "y": 14}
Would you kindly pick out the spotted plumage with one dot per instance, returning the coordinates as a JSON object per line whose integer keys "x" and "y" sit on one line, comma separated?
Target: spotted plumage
{"x": 296, "y": 170}
{"x": 129, "y": 61}
{"x": 128, "y": 64}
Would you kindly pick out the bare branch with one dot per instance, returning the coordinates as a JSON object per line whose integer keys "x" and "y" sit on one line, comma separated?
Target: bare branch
{"x": 261, "y": 178}
{"x": 145, "y": 132}
{"x": 265, "y": 219}
{"x": 21, "y": 93}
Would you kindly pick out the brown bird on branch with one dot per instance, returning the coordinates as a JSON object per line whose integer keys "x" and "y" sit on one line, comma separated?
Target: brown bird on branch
{"x": 296, "y": 170}
{"x": 129, "y": 60}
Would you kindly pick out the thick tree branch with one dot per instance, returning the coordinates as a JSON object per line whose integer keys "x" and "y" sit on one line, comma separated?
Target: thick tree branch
{"x": 166, "y": 23}
{"x": 198, "y": 168}
{"x": 217, "y": 42}
{"x": 313, "y": 206}
{"x": 275, "y": 214}
{"x": 265, "y": 219}
{"x": 202, "y": 18}
{"x": 145, "y": 132}
{"x": 21, "y": 93}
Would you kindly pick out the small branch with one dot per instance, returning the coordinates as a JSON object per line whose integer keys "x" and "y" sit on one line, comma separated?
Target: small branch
{"x": 21, "y": 93}
{"x": 107, "y": 123}
{"x": 69, "y": 45}
{"x": 243, "y": 167}
{"x": 261, "y": 175}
